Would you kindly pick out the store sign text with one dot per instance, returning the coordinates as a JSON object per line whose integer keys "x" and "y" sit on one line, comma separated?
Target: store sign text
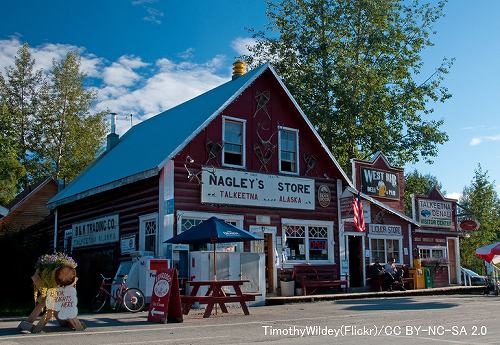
{"x": 96, "y": 231}
{"x": 231, "y": 187}
{"x": 383, "y": 229}
{"x": 435, "y": 213}
{"x": 380, "y": 183}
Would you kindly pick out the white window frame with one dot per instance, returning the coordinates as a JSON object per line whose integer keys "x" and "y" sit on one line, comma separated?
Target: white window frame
{"x": 431, "y": 248}
{"x": 237, "y": 218}
{"x": 386, "y": 237}
{"x": 142, "y": 231}
{"x": 244, "y": 139}
{"x": 304, "y": 222}
{"x": 279, "y": 150}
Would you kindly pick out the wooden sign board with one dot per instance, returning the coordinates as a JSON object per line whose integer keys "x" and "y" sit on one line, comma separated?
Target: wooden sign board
{"x": 165, "y": 303}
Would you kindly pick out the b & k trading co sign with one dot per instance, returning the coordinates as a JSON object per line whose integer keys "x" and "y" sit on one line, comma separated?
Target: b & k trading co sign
{"x": 232, "y": 187}
{"x": 96, "y": 231}
{"x": 380, "y": 183}
{"x": 435, "y": 213}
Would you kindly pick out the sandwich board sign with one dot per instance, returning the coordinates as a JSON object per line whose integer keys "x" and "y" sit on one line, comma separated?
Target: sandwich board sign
{"x": 165, "y": 303}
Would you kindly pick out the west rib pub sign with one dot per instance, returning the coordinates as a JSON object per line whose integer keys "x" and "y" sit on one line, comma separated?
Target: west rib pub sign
{"x": 380, "y": 183}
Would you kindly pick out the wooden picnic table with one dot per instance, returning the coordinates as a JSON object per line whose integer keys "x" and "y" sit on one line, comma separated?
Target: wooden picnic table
{"x": 216, "y": 295}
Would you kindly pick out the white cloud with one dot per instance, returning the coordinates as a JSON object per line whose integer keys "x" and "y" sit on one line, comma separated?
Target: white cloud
{"x": 241, "y": 44}
{"x": 454, "y": 195}
{"x": 130, "y": 85}
{"x": 154, "y": 15}
{"x": 478, "y": 140}
{"x": 171, "y": 85}
{"x": 46, "y": 53}
{"x": 121, "y": 73}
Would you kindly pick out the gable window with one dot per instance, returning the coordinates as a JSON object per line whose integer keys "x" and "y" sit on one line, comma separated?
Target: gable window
{"x": 289, "y": 148}
{"x": 233, "y": 153}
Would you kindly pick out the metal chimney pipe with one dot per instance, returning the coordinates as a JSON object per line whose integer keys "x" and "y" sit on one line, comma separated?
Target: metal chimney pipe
{"x": 113, "y": 122}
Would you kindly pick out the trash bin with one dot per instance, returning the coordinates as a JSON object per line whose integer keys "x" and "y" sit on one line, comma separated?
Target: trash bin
{"x": 287, "y": 288}
{"x": 428, "y": 277}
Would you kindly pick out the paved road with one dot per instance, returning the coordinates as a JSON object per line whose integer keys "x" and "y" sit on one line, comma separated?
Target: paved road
{"x": 442, "y": 320}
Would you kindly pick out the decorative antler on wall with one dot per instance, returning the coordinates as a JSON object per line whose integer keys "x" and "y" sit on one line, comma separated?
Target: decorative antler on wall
{"x": 194, "y": 174}
{"x": 262, "y": 99}
{"x": 213, "y": 150}
{"x": 310, "y": 161}
{"x": 264, "y": 149}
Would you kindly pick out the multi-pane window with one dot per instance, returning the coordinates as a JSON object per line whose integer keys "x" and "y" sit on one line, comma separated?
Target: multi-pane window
{"x": 306, "y": 242}
{"x": 378, "y": 249}
{"x": 385, "y": 248}
{"x": 148, "y": 232}
{"x": 318, "y": 243}
{"x": 234, "y": 143}
{"x": 432, "y": 253}
{"x": 288, "y": 150}
{"x": 150, "y": 235}
{"x": 296, "y": 242}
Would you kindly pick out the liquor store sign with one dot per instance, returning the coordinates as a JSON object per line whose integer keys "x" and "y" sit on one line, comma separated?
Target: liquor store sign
{"x": 232, "y": 187}
{"x": 386, "y": 230}
{"x": 435, "y": 213}
{"x": 96, "y": 231}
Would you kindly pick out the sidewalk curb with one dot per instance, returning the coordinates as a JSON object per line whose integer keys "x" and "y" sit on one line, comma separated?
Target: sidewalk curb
{"x": 453, "y": 290}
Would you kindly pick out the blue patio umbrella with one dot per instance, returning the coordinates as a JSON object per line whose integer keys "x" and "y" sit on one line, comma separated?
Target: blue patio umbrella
{"x": 213, "y": 230}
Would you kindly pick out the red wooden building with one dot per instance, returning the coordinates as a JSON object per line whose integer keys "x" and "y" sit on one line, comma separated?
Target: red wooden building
{"x": 388, "y": 230}
{"x": 244, "y": 152}
{"x": 437, "y": 239}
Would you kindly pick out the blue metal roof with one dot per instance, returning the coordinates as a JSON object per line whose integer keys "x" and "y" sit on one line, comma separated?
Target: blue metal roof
{"x": 145, "y": 146}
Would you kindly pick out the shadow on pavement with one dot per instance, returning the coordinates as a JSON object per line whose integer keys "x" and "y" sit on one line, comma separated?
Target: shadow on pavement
{"x": 91, "y": 321}
{"x": 393, "y": 304}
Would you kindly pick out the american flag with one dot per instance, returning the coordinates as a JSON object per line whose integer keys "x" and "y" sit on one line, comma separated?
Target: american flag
{"x": 357, "y": 208}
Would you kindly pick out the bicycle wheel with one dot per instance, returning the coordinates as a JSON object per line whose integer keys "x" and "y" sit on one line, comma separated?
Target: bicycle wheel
{"x": 98, "y": 302}
{"x": 133, "y": 300}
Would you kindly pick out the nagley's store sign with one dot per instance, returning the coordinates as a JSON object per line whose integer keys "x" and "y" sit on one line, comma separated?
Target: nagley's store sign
{"x": 380, "y": 183}
{"x": 435, "y": 213}
{"x": 232, "y": 187}
{"x": 96, "y": 231}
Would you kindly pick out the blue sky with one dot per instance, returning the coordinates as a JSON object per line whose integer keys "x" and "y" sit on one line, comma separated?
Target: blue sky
{"x": 145, "y": 56}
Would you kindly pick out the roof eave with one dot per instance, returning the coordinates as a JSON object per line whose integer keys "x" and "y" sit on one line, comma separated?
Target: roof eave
{"x": 112, "y": 185}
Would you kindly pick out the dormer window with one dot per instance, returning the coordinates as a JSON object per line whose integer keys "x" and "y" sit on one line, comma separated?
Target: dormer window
{"x": 289, "y": 150}
{"x": 233, "y": 153}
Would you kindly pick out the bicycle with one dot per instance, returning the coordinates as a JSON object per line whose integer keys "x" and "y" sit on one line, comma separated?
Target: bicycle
{"x": 132, "y": 299}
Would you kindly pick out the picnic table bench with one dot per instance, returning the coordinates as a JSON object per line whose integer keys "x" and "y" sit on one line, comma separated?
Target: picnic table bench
{"x": 317, "y": 276}
{"x": 216, "y": 295}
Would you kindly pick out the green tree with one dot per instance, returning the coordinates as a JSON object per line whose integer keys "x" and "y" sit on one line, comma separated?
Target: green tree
{"x": 355, "y": 67}
{"x": 72, "y": 133}
{"x": 20, "y": 100}
{"x": 10, "y": 169}
{"x": 417, "y": 183}
{"x": 480, "y": 200}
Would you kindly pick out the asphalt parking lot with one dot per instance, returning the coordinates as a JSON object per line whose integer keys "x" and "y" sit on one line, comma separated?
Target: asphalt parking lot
{"x": 458, "y": 319}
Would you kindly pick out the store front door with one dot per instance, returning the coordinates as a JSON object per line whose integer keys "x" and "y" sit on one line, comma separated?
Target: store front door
{"x": 452, "y": 259}
{"x": 355, "y": 260}
{"x": 267, "y": 247}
